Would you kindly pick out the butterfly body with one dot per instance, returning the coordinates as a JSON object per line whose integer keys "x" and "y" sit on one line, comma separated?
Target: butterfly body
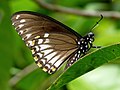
{"x": 51, "y": 42}
{"x": 84, "y": 45}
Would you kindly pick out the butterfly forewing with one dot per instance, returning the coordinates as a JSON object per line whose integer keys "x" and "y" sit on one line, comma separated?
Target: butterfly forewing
{"x": 50, "y": 41}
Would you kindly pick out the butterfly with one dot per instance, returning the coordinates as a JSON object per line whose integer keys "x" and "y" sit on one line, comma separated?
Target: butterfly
{"x": 51, "y": 42}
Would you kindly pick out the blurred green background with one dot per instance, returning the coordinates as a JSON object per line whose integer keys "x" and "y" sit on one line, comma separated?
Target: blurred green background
{"x": 15, "y": 57}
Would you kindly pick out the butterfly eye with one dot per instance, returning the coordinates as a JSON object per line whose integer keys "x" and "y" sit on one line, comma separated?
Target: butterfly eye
{"x": 51, "y": 42}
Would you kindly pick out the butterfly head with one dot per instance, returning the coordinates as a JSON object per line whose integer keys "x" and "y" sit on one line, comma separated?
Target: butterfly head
{"x": 90, "y": 37}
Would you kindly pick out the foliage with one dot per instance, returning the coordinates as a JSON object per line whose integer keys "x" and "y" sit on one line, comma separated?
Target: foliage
{"x": 15, "y": 56}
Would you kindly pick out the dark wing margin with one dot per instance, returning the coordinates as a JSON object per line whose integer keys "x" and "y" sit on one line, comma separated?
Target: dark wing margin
{"x": 50, "y": 41}
{"x": 48, "y": 18}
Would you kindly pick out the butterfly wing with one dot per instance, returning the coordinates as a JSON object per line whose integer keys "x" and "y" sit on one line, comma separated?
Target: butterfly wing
{"x": 50, "y": 41}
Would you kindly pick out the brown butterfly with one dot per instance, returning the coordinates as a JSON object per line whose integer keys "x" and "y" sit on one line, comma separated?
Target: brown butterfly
{"x": 51, "y": 42}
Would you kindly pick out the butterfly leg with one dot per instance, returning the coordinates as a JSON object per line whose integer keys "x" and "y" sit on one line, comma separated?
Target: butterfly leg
{"x": 96, "y": 46}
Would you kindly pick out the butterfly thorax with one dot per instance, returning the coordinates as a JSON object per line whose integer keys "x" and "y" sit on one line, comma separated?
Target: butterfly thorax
{"x": 85, "y": 43}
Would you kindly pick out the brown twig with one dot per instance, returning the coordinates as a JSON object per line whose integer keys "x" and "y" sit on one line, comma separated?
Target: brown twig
{"x": 108, "y": 14}
{"x": 15, "y": 79}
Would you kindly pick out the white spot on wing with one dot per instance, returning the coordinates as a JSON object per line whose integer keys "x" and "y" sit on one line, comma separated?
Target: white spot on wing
{"x": 15, "y": 28}
{"x": 36, "y": 58}
{"x": 47, "y": 65}
{"x": 20, "y": 32}
{"x": 31, "y": 43}
{"x": 23, "y": 20}
{"x": 37, "y": 37}
{"x": 21, "y": 25}
{"x": 13, "y": 24}
{"x": 46, "y": 34}
{"x": 78, "y": 56}
{"x": 40, "y": 65}
{"x": 47, "y": 41}
{"x": 44, "y": 69}
{"x": 75, "y": 54}
{"x": 37, "y": 48}
{"x": 44, "y": 47}
{"x": 33, "y": 51}
{"x": 40, "y": 55}
{"x": 23, "y": 39}
{"x": 43, "y": 60}
{"x": 40, "y": 41}
{"x": 73, "y": 58}
{"x": 28, "y": 35}
{"x": 17, "y": 16}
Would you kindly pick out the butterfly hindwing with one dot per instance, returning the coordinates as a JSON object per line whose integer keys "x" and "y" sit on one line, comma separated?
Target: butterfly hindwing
{"x": 50, "y": 53}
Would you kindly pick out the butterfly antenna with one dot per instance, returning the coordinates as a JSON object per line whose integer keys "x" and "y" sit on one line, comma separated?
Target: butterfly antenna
{"x": 97, "y": 23}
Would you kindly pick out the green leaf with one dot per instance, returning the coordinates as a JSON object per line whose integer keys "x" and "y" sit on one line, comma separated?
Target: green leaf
{"x": 6, "y": 45}
{"x": 87, "y": 63}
